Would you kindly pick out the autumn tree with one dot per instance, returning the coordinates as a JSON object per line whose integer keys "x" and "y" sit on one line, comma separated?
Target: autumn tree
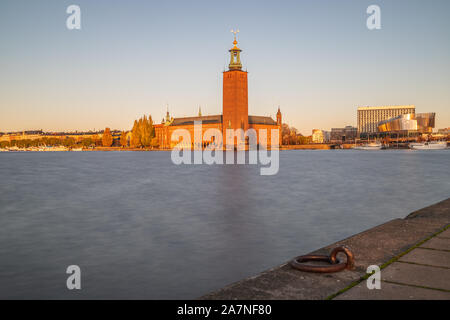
{"x": 155, "y": 142}
{"x": 290, "y": 136}
{"x": 4, "y": 144}
{"x": 303, "y": 140}
{"x": 151, "y": 130}
{"x": 87, "y": 142}
{"x": 107, "y": 139}
{"x": 123, "y": 139}
{"x": 143, "y": 132}
{"x": 135, "y": 135}
{"x": 68, "y": 142}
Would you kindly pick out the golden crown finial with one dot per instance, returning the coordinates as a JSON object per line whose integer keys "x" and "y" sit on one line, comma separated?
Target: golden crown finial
{"x": 235, "y": 31}
{"x": 235, "y": 59}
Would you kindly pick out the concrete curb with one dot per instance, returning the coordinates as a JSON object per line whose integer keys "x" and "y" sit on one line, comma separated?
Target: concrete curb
{"x": 376, "y": 246}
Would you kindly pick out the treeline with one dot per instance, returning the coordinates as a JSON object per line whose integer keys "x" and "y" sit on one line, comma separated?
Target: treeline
{"x": 143, "y": 133}
{"x": 290, "y": 136}
{"x": 142, "y": 136}
{"x": 108, "y": 139}
{"x": 52, "y": 141}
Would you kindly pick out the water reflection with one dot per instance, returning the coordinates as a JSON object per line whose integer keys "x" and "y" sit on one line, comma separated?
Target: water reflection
{"x": 141, "y": 227}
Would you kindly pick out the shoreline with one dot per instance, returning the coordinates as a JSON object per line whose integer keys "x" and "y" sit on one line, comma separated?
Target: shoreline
{"x": 283, "y": 148}
{"x": 318, "y": 146}
{"x": 381, "y": 245}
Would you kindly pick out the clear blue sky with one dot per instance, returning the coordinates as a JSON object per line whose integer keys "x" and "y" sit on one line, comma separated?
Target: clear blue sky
{"x": 316, "y": 59}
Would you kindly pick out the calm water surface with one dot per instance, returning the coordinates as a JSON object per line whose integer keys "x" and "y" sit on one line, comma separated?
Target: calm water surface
{"x": 141, "y": 227}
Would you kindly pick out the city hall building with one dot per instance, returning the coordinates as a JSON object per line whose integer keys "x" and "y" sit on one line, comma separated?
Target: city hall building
{"x": 234, "y": 111}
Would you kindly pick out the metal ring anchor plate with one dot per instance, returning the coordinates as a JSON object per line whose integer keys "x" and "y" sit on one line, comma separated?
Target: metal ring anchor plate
{"x": 335, "y": 265}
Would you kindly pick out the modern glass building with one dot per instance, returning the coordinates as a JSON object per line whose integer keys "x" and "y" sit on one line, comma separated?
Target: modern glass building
{"x": 370, "y": 117}
{"x": 419, "y": 122}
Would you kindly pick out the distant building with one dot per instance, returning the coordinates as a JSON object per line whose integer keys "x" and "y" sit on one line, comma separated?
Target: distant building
{"x": 326, "y": 136}
{"x": 444, "y": 132}
{"x": 22, "y": 135}
{"x": 317, "y": 136}
{"x": 341, "y": 135}
{"x": 370, "y": 117}
{"x": 116, "y": 137}
{"x": 39, "y": 134}
{"x": 411, "y": 122}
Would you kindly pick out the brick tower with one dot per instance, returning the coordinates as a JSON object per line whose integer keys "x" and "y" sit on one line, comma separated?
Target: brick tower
{"x": 280, "y": 126}
{"x": 235, "y": 93}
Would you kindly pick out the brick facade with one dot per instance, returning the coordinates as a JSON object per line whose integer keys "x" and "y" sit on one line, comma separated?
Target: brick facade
{"x": 234, "y": 111}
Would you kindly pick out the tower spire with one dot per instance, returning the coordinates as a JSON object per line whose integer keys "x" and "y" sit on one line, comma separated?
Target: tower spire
{"x": 235, "y": 52}
{"x": 167, "y": 113}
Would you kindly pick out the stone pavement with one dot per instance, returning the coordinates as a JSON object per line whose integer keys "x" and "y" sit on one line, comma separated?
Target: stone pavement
{"x": 422, "y": 273}
{"x": 415, "y": 251}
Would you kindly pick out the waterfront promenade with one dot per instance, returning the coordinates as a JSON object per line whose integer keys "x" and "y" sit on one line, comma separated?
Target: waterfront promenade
{"x": 413, "y": 254}
{"x": 423, "y": 272}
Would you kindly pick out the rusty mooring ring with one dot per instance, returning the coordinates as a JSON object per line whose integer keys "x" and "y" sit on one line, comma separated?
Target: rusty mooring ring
{"x": 335, "y": 264}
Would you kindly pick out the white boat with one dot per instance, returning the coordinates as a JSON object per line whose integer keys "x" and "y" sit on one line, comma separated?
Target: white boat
{"x": 77, "y": 149}
{"x": 432, "y": 145}
{"x": 369, "y": 146}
